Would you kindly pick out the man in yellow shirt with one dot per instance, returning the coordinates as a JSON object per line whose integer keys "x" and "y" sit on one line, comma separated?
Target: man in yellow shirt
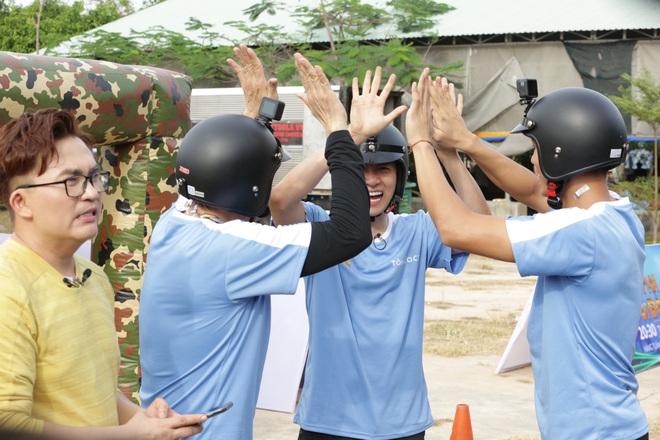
{"x": 59, "y": 356}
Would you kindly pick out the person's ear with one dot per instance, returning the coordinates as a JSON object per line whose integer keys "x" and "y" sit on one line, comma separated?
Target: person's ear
{"x": 20, "y": 204}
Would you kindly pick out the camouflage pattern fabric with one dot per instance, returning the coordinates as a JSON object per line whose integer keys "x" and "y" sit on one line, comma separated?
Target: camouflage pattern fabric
{"x": 137, "y": 116}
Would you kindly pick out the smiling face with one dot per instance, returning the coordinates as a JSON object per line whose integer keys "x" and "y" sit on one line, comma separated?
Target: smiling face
{"x": 48, "y": 213}
{"x": 381, "y": 183}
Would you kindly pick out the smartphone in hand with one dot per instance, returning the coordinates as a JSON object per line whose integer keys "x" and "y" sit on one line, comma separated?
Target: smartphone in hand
{"x": 219, "y": 410}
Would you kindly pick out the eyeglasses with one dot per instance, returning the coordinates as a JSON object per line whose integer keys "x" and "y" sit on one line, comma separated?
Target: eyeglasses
{"x": 75, "y": 186}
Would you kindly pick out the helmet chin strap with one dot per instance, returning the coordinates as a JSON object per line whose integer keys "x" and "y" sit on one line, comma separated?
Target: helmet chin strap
{"x": 390, "y": 208}
{"x": 553, "y": 199}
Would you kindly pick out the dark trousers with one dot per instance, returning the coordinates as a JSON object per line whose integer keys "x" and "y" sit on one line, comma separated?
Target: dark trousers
{"x": 644, "y": 437}
{"x": 309, "y": 435}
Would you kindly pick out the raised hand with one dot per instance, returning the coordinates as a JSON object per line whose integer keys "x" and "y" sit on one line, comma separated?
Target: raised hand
{"x": 368, "y": 116}
{"x": 250, "y": 72}
{"x": 456, "y": 98}
{"x": 419, "y": 126}
{"x": 449, "y": 129}
{"x": 319, "y": 97}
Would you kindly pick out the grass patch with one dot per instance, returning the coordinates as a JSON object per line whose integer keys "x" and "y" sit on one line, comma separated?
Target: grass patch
{"x": 472, "y": 285}
{"x": 440, "y": 422}
{"x": 483, "y": 267}
{"x": 468, "y": 337}
{"x": 442, "y": 305}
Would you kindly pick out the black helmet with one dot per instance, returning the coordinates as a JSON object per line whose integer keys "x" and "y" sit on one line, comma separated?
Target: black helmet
{"x": 389, "y": 146}
{"x": 576, "y": 130}
{"x": 228, "y": 162}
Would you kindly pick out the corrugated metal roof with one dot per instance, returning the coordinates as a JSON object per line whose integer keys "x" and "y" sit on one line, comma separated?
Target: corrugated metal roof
{"x": 474, "y": 17}
{"x": 471, "y": 17}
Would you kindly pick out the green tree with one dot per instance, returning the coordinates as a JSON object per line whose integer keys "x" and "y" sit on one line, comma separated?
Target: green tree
{"x": 346, "y": 25}
{"x": 148, "y": 3}
{"x": 46, "y": 23}
{"x": 343, "y": 24}
{"x": 160, "y": 47}
{"x": 645, "y": 105}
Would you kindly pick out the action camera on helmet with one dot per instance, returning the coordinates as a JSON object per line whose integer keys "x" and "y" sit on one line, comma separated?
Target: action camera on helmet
{"x": 527, "y": 90}
{"x": 271, "y": 109}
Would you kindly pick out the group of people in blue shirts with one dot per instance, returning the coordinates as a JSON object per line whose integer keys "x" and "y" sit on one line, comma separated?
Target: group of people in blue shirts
{"x": 205, "y": 300}
{"x": 211, "y": 270}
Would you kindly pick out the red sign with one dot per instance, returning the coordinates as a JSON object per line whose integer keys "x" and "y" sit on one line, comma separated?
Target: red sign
{"x": 289, "y": 133}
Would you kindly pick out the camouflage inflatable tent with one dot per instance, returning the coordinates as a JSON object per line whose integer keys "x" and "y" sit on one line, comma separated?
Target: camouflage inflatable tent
{"x": 137, "y": 116}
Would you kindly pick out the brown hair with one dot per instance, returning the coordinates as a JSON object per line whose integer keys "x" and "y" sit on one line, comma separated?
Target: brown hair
{"x": 27, "y": 143}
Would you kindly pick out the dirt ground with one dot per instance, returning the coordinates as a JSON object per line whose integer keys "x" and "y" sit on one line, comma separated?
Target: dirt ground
{"x": 501, "y": 405}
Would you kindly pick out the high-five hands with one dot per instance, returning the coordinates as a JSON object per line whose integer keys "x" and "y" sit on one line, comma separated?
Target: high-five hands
{"x": 319, "y": 97}
{"x": 449, "y": 129}
{"x": 250, "y": 72}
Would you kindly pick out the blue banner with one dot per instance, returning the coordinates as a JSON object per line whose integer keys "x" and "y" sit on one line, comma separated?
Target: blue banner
{"x": 647, "y": 344}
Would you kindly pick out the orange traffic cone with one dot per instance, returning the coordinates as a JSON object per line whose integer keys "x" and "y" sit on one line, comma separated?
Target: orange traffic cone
{"x": 462, "y": 427}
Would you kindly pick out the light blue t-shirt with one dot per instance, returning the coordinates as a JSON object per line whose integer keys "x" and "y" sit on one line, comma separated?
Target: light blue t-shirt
{"x": 364, "y": 376}
{"x": 205, "y": 313}
{"x": 584, "y": 318}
